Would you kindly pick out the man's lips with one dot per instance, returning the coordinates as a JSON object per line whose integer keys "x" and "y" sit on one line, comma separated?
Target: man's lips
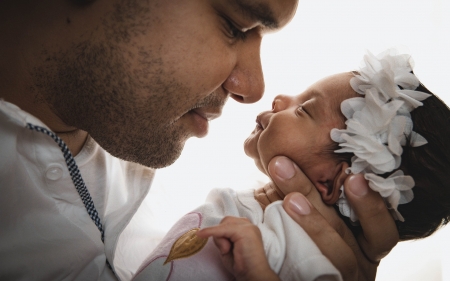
{"x": 200, "y": 119}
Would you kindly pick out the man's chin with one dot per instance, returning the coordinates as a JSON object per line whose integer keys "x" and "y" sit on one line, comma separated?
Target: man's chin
{"x": 155, "y": 157}
{"x": 157, "y": 150}
{"x": 164, "y": 158}
{"x": 159, "y": 161}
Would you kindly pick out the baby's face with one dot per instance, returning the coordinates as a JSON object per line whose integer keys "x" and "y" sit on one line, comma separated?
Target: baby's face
{"x": 298, "y": 127}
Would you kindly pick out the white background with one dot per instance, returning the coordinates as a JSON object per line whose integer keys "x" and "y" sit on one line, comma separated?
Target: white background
{"x": 325, "y": 37}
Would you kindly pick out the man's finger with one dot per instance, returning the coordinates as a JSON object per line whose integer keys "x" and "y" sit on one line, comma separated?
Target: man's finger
{"x": 286, "y": 174}
{"x": 380, "y": 233}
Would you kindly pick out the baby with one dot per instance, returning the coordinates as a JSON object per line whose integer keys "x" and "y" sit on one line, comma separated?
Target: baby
{"x": 358, "y": 122}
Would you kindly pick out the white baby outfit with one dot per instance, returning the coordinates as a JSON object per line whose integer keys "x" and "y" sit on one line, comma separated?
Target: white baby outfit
{"x": 290, "y": 251}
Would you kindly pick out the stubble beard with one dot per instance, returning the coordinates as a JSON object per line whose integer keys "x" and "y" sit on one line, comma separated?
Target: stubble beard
{"x": 92, "y": 89}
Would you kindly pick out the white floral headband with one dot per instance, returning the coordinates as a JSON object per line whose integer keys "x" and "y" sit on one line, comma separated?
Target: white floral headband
{"x": 379, "y": 124}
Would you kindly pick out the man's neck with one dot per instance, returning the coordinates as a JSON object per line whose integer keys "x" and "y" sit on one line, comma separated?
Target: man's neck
{"x": 74, "y": 140}
{"x": 73, "y": 137}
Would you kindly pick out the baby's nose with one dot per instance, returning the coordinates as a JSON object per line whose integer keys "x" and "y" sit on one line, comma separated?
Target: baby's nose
{"x": 280, "y": 102}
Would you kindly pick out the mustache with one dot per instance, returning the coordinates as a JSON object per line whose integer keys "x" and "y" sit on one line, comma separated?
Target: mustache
{"x": 212, "y": 100}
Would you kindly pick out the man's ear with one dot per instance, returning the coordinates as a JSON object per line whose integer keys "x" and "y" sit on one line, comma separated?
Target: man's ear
{"x": 330, "y": 190}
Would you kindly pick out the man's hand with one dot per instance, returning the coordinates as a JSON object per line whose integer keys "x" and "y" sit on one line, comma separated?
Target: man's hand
{"x": 356, "y": 259}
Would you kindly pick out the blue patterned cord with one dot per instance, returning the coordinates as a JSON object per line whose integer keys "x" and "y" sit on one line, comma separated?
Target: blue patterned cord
{"x": 77, "y": 180}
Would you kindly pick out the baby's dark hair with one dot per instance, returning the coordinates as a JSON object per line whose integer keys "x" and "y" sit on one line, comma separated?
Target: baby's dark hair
{"x": 429, "y": 165}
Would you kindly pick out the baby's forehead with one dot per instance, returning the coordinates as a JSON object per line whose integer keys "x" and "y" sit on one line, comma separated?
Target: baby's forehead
{"x": 335, "y": 88}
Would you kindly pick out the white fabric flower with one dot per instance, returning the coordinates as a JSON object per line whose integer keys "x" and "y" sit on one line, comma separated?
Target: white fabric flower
{"x": 395, "y": 189}
{"x": 379, "y": 124}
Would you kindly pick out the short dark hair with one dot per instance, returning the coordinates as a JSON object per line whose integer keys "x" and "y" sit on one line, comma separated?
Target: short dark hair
{"x": 429, "y": 165}
{"x": 82, "y": 2}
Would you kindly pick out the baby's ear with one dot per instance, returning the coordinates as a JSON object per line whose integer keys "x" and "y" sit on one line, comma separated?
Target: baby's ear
{"x": 331, "y": 190}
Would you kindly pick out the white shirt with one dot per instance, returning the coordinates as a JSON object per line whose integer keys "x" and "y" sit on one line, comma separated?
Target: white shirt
{"x": 45, "y": 230}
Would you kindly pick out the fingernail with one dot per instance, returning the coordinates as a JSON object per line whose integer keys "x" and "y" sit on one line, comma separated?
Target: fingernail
{"x": 298, "y": 204}
{"x": 284, "y": 168}
{"x": 358, "y": 185}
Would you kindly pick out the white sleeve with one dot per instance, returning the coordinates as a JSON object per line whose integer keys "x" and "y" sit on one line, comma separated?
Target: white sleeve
{"x": 291, "y": 252}
{"x": 219, "y": 203}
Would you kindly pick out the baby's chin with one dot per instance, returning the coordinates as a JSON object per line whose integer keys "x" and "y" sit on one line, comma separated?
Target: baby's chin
{"x": 263, "y": 168}
{"x": 248, "y": 149}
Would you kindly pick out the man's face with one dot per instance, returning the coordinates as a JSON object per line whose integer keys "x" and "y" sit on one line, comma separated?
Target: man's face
{"x": 298, "y": 127}
{"x": 151, "y": 74}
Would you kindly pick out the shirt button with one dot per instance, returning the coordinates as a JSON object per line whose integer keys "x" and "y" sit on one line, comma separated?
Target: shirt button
{"x": 54, "y": 171}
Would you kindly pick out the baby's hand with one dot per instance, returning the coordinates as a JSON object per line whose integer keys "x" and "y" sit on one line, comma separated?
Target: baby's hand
{"x": 240, "y": 244}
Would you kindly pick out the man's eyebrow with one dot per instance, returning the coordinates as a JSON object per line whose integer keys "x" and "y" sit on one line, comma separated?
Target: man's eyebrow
{"x": 257, "y": 11}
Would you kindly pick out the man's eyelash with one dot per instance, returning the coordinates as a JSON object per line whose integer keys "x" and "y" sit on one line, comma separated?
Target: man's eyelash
{"x": 234, "y": 31}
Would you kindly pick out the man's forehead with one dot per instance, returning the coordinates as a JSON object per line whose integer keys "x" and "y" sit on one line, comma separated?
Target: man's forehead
{"x": 272, "y": 14}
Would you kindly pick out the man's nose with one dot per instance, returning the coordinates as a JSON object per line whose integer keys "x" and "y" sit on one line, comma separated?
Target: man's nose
{"x": 246, "y": 82}
{"x": 280, "y": 102}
